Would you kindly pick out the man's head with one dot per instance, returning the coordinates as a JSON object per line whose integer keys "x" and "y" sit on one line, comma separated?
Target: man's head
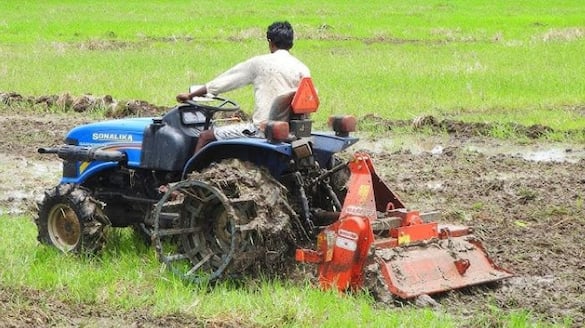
{"x": 281, "y": 35}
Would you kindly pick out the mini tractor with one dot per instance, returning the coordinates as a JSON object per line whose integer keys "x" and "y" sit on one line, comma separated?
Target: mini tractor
{"x": 247, "y": 206}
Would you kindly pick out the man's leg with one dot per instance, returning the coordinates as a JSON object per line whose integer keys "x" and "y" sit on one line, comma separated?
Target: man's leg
{"x": 205, "y": 137}
{"x": 230, "y": 131}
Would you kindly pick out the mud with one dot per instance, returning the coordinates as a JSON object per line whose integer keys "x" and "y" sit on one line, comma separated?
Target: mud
{"x": 267, "y": 226}
{"x": 525, "y": 202}
{"x": 528, "y": 213}
{"x": 66, "y": 102}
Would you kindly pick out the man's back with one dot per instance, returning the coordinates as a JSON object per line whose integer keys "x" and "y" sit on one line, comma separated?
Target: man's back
{"x": 278, "y": 73}
{"x": 271, "y": 75}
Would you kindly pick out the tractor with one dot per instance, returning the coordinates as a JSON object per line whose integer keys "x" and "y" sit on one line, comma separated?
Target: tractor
{"x": 247, "y": 206}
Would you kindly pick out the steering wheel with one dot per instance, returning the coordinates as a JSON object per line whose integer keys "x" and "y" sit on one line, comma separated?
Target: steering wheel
{"x": 213, "y": 104}
{"x": 208, "y": 106}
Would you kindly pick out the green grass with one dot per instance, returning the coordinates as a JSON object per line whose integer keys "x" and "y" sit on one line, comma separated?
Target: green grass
{"x": 471, "y": 60}
{"x": 128, "y": 276}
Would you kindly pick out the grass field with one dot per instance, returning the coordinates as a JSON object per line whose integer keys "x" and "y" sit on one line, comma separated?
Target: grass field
{"x": 472, "y": 60}
{"x": 128, "y": 277}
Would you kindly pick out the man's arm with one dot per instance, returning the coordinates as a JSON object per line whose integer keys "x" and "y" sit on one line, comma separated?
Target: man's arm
{"x": 236, "y": 77}
{"x": 183, "y": 97}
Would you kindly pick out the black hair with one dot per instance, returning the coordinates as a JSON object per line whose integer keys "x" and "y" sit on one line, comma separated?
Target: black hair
{"x": 281, "y": 34}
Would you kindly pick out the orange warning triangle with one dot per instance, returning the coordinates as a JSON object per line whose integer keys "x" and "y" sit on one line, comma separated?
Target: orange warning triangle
{"x": 306, "y": 99}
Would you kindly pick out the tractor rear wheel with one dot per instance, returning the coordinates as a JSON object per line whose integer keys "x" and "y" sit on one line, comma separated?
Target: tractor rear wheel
{"x": 71, "y": 220}
{"x": 233, "y": 220}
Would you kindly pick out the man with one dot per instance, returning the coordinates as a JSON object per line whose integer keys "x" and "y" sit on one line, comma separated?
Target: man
{"x": 272, "y": 75}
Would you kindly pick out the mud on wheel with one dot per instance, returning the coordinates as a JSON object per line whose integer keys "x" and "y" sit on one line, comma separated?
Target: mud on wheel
{"x": 232, "y": 219}
{"x": 71, "y": 220}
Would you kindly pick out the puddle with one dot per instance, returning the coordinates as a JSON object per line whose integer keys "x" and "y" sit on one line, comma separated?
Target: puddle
{"x": 536, "y": 153}
{"x": 23, "y": 180}
{"x": 541, "y": 152}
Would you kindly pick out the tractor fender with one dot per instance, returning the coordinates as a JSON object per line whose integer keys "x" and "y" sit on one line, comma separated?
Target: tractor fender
{"x": 332, "y": 143}
{"x": 327, "y": 144}
{"x": 273, "y": 156}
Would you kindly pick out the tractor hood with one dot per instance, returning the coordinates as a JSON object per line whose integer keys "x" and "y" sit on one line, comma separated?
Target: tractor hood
{"x": 128, "y": 130}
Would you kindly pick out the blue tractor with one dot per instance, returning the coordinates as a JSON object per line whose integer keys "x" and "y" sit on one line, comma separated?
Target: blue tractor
{"x": 235, "y": 206}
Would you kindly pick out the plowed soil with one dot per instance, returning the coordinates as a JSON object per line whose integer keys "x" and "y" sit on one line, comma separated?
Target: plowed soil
{"x": 524, "y": 201}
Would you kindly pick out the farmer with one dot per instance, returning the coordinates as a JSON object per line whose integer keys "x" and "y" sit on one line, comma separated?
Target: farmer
{"x": 272, "y": 75}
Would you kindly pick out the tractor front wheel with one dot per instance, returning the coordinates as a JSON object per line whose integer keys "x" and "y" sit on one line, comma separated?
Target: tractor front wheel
{"x": 71, "y": 220}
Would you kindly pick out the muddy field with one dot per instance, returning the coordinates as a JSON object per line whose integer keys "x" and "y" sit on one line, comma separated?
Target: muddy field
{"x": 526, "y": 202}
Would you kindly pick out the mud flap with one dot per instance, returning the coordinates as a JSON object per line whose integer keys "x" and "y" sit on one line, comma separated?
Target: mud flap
{"x": 436, "y": 266}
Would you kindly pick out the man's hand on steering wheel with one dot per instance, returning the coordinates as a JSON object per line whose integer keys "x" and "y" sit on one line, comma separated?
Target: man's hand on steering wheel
{"x": 183, "y": 97}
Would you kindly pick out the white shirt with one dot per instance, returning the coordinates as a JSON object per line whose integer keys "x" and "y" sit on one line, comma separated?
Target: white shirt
{"x": 272, "y": 75}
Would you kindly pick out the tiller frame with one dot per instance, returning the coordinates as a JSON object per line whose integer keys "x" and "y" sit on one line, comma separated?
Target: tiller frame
{"x": 414, "y": 254}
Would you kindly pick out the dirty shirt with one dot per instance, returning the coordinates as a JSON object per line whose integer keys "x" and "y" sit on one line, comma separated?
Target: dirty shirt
{"x": 271, "y": 75}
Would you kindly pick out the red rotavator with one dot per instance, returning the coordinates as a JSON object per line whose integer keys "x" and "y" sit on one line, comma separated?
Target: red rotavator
{"x": 414, "y": 254}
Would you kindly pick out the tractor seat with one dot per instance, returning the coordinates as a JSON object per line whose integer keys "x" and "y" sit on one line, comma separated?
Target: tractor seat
{"x": 295, "y": 107}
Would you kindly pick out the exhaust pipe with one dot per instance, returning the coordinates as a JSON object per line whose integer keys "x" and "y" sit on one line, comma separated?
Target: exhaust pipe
{"x": 84, "y": 153}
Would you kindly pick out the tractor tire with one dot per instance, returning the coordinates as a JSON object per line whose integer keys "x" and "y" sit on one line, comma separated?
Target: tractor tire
{"x": 71, "y": 220}
{"x": 233, "y": 221}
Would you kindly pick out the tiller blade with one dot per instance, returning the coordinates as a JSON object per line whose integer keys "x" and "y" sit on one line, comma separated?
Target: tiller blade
{"x": 414, "y": 254}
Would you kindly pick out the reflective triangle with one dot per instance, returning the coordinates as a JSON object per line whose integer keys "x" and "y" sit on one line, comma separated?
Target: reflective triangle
{"x": 306, "y": 99}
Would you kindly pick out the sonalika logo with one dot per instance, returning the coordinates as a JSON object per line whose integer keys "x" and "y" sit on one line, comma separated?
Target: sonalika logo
{"x": 111, "y": 136}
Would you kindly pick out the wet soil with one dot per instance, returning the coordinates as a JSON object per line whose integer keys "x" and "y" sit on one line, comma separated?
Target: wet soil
{"x": 529, "y": 215}
{"x": 525, "y": 202}
{"x": 266, "y": 224}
